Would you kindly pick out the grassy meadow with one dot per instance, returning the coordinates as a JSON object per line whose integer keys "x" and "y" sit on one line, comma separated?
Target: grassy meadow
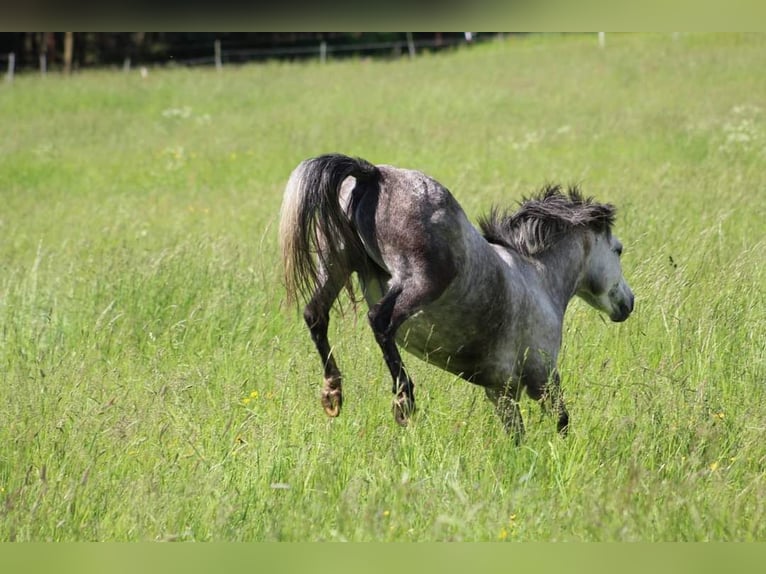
{"x": 155, "y": 386}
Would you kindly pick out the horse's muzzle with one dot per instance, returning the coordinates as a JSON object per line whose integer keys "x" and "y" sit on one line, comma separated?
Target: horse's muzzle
{"x": 624, "y": 310}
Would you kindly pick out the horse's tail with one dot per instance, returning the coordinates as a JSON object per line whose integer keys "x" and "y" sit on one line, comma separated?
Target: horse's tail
{"x": 312, "y": 220}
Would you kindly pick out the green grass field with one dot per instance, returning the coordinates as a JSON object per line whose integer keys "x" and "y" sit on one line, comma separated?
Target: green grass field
{"x": 155, "y": 386}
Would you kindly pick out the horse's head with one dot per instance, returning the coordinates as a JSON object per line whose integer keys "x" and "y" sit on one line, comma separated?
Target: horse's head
{"x": 603, "y": 285}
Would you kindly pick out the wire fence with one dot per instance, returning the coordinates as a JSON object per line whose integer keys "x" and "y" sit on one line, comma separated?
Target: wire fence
{"x": 219, "y": 55}
{"x": 324, "y": 50}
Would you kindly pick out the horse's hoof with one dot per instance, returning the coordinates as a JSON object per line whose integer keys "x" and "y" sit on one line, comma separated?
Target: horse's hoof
{"x": 332, "y": 400}
{"x": 403, "y": 408}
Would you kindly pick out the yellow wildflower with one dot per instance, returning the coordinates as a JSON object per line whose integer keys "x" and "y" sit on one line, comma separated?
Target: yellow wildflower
{"x": 253, "y": 396}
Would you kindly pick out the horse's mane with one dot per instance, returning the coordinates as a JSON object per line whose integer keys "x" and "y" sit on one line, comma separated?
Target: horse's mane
{"x": 543, "y": 219}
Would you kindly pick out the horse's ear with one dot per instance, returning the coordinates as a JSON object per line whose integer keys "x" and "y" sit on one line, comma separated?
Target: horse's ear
{"x": 610, "y": 214}
{"x": 551, "y": 190}
{"x": 575, "y": 195}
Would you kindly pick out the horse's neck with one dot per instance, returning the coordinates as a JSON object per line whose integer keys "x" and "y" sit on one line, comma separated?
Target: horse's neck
{"x": 562, "y": 268}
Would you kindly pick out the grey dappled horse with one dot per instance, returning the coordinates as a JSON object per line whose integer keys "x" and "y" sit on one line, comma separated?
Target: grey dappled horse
{"x": 487, "y": 306}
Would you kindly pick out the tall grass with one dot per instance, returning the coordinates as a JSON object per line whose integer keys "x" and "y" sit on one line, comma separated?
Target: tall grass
{"x": 153, "y": 385}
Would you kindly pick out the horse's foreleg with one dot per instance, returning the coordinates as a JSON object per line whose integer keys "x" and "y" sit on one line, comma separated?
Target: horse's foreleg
{"x": 317, "y": 317}
{"x": 506, "y": 401}
{"x": 552, "y": 398}
{"x": 385, "y": 318}
{"x": 557, "y": 398}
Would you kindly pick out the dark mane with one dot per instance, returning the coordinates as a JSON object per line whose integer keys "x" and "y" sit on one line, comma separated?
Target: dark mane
{"x": 541, "y": 220}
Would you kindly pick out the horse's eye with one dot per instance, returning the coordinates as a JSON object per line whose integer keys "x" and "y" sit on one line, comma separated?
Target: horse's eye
{"x": 618, "y": 249}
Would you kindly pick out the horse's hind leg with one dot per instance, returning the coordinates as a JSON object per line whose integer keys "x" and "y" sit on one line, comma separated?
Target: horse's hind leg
{"x": 397, "y": 305}
{"x": 317, "y": 317}
{"x": 384, "y": 322}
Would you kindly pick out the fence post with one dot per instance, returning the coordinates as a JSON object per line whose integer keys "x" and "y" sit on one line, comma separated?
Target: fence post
{"x": 601, "y": 39}
{"x": 410, "y": 45}
{"x": 323, "y": 52}
{"x": 68, "y": 49}
{"x": 11, "y": 66}
{"x": 43, "y": 64}
{"x": 218, "y": 62}
{"x": 126, "y": 65}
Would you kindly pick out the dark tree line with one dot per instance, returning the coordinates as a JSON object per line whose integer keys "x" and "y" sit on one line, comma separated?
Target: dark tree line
{"x": 75, "y": 50}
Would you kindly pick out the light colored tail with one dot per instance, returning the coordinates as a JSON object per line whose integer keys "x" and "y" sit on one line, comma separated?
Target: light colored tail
{"x": 312, "y": 220}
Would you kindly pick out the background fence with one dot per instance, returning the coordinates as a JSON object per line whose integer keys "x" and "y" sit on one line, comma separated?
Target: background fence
{"x": 39, "y": 53}
{"x": 43, "y": 52}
